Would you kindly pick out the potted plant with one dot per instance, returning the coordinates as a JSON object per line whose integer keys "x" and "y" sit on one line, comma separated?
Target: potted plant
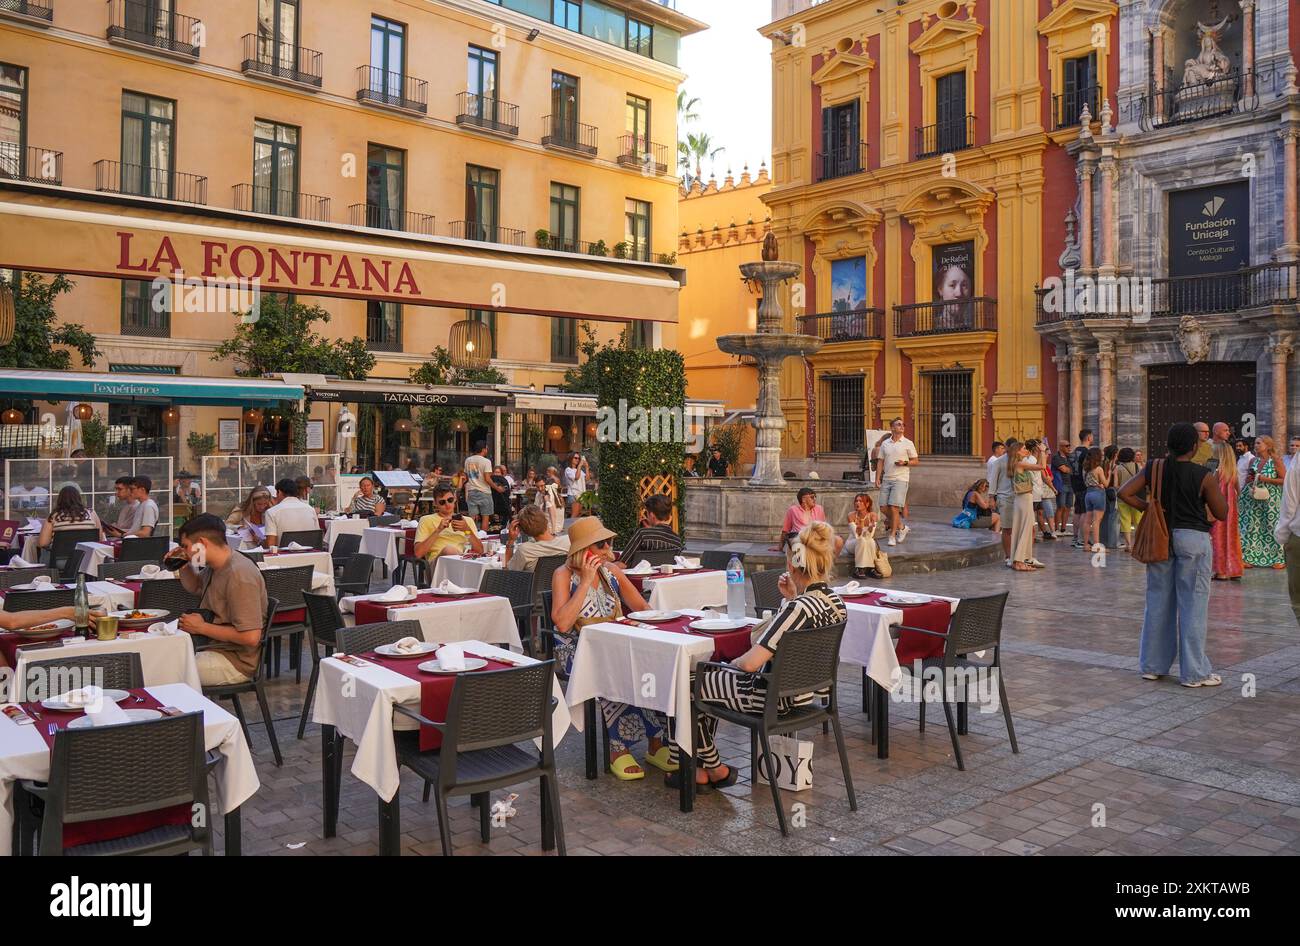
{"x": 543, "y": 238}
{"x": 668, "y": 259}
{"x": 94, "y": 436}
{"x": 201, "y": 445}
{"x": 599, "y": 249}
{"x": 621, "y": 249}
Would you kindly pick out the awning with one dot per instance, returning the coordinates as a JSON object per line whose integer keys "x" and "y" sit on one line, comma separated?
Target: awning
{"x": 118, "y": 387}
{"x": 398, "y": 392}
{"x": 584, "y": 405}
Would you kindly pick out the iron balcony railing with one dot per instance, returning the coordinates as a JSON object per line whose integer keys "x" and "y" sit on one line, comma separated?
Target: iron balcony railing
{"x": 561, "y": 245}
{"x": 946, "y": 317}
{"x": 383, "y": 334}
{"x": 390, "y": 218}
{"x": 847, "y": 325}
{"x": 282, "y": 61}
{"x": 487, "y": 113}
{"x": 139, "y": 317}
{"x": 842, "y": 161}
{"x": 943, "y": 137}
{"x": 258, "y": 198}
{"x": 569, "y": 135}
{"x": 1199, "y": 101}
{"x": 1067, "y": 108}
{"x": 636, "y": 151}
{"x": 35, "y": 11}
{"x": 114, "y": 177}
{"x": 485, "y": 233}
{"x": 392, "y": 90}
{"x": 32, "y": 164}
{"x": 152, "y": 23}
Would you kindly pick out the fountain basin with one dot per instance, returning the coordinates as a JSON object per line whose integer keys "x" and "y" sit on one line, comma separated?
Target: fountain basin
{"x": 771, "y": 346}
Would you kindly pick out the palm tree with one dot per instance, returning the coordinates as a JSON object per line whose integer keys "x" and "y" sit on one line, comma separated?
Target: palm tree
{"x": 699, "y": 147}
{"x": 686, "y": 115}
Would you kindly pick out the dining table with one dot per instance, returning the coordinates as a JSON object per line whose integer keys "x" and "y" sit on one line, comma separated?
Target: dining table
{"x": 467, "y": 571}
{"x": 683, "y": 588}
{"x": 166, "y": 657}
{"x": 442, "y": 618}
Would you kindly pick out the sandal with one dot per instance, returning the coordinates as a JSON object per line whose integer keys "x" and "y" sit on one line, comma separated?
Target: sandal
{"x": 1213, "y": 680}
{"x": 662, "y": 760}
{"x": 727, "y": 782}
{"x": 673, "y": 780}
{"x": 619, "y": 768}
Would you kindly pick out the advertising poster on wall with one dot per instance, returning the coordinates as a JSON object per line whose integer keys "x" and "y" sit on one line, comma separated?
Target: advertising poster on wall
{"x": 954, "y": 283}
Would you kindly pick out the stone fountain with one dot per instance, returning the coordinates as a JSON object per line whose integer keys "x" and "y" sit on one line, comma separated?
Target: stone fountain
{"x": 770, "y": 346}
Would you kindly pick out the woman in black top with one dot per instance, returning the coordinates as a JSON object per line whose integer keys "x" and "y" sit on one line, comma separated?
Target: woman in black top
{"x": 1178, "y": 589}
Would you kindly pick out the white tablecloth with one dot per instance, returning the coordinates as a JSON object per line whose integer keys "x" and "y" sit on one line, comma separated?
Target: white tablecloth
{"x": 476, "y": 619}
{"x": 337, "y": 527}
{"x": 322, "y": 580}
{"x": 94, "y": 554}
{"x": 867, "y": 641}
{"x": 466, "y": 572}
{"x": 674, "y": 592}
{"x": 645, "y": 668}
{"x": 163, "y": 659}
{"x": 24, "y": 754}
{"x": 30, "y": 553}
{"x": 383, "y": 543}
{"x": 365, "y": 714}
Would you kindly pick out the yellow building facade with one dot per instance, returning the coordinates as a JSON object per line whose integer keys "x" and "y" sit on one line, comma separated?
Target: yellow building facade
{"x": 523, "y": 152}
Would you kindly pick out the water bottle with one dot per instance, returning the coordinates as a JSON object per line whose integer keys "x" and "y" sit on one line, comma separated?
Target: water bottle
{"x": 735, "y": 588}
{"x": 81, "y": 607}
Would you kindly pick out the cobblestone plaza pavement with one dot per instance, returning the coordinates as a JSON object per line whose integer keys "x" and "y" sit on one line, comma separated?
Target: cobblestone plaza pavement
{"x": 1178, "y": 771}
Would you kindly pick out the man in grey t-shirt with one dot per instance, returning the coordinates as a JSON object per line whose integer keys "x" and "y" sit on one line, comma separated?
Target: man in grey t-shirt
{"x": 478, "y": 492}
{"x": 1000, "y": 487}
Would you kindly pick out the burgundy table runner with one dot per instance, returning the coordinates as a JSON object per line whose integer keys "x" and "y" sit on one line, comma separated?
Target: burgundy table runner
{"x": 373, "y": 612}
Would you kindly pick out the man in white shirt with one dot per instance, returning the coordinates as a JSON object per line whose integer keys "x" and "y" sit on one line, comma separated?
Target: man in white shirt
{"x": 999, "y": 450}
{"x": 893, "y": 474}
{"x": 478, "y": 492}
{"x": 1292, "y": 448}
{"x": 289, "y": 514}
{"x": 1245, "y": 457}
{"x": 145, "y": 520}
{"x": 1287, "y": 533}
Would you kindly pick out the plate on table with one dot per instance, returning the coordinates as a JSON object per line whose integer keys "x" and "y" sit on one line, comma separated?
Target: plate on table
{"x": 390, "y": 650}
{"x": 462, "y": 593}
{"x": 32, "y": 586}
{"x": 132, "y": 716}
{"x": 853, "y": 592}
{"x": 904, "y": 600}
{"x": 471, "y": 663}
{"x": 654, "y": 617}
{"x": 138, "y": 617}
{"x": 717, "y": 625}
{"x": 42, "y": 631}
{"x": 62, "y": 706}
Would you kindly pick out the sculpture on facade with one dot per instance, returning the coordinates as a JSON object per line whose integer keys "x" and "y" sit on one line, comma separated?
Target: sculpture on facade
{"x": 1211, "y": 64}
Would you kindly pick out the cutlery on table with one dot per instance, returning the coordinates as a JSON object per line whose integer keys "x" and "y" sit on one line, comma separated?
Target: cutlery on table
{"x": 52, "y": 729}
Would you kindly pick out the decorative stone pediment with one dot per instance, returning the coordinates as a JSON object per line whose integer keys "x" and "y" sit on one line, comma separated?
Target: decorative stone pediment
{"x": 845, "y": 76}
{"x": 946, "y": 34}
{"x": 841, "y": 222}
{"x": 1073, "y": 14}
{"x": 946, "y": 205}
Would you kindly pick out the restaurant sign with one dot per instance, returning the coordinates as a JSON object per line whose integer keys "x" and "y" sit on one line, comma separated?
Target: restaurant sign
{"x": 421, "y": 398}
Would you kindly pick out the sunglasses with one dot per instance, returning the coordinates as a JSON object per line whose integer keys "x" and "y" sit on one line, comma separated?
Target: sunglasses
{"x": 602, "y": 544}
{"x": 445, "y": 502}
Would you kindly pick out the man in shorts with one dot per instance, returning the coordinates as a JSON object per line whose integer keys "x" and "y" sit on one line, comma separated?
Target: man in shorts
{"x": 478, "y": 491}
{"x": 893, "y": 474}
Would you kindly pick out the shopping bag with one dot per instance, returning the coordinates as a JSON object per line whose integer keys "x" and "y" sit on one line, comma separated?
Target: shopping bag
{"x": 789, "y": 766}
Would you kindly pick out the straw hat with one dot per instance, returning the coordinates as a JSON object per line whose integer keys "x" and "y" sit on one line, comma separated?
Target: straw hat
{"x": 586, "y": 532}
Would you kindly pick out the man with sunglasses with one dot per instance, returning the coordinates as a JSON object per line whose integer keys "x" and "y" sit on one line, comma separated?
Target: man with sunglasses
{"x": 444, "y": 532}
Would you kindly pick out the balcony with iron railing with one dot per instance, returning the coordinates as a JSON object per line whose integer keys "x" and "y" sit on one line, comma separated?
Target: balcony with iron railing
{"x": 281, "y": 62}
{"x": 841, "y": 162}
{"x": 1067, "y": 108}
{"x": 31, "y": 164}
{"x": 147, "y": 24}
{"x": 141, "y": 317}
{"x": 485, "y": 233}
{"x": 944, "y": 137}
{"x": 390, "y": 218}
{"x": 649, "y": 157}
{"x": 394, "y": 90}
{"x": 565, "y": 134}
{"x": 563, "y": 245}
{"x": 258, "y": 198}
{"x": 35, "y": 12}
{"x": 487, "y": 113}
{"x": 382, "y": 334}
{"x": 946, "y": 317}
{"x": 114, "y": 177}
{"x": 845, "y": 325}
{"x": 1199, "y": 101}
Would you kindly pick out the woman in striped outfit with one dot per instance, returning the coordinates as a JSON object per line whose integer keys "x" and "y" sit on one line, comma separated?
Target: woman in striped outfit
{"x": 809, "y": 603}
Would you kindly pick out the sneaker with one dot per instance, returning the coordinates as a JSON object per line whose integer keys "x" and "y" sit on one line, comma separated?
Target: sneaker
{"x": 1035, "y": 562}
{"x": 1049, "y": 536}
{"x": 1152, "y": 676}
{"x": 1008, "y": 563}
{"x": 892, "y": 541}
{"x": 1213, "y": 680}
{"x": 903, "y": 533}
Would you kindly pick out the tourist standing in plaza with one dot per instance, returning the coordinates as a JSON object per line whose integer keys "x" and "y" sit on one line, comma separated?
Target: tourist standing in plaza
{"x": 1204, "y": 449}
{"x": 1079, "y": 487}
{"x": 551, "y": 493}
{"x": 1060, "y": 463}
{"x": 1178, "y": 589}
{"x": 1260, "y": 503}
{"x": 1245, "y": 456}
{"x": 1287, "y": 535}
{"x": 893, "y": 476}
{"x": 1025, "y": 463}
{"x": 1000, "y": 485}
{"x": 1095, "y": 482}
{"x": 1292, "y": 448}
{"x": 1126, "y": 468}
{"x": 1044, "y": 494}
{"x": 1225, "y": 534}
{"x": 999, "y": 451}
{"x": 1109, "y": 530}
{"x": 575, "y": 483}
{"x": 478, "y": 491}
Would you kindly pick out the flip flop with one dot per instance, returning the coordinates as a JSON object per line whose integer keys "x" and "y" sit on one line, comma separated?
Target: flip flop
{"x": 727, "y": 782}
{"x": 661, "y": 760}
{"x": 619, "y": 768}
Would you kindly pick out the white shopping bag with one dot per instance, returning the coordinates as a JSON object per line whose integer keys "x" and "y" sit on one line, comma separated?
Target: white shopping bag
{"x": 791, "y": 763}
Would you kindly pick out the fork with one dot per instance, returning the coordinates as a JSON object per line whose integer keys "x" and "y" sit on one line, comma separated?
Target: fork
{"x": 52, "y": 729}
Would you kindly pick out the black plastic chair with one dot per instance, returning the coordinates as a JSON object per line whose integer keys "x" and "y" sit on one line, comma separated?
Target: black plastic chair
{"x": 169, "y": 594}
{"x": 118, "y": 569}
{"x": 43, "y": 679}
{"x": 256, "y": 556}
{"x": 38, "y": 600}
{"x": 345, "y": 546}
{"x": 388, "y": 519}
{"x": 129, "y": 769}
{"x": 150, "y": 549}
{"x": 717, "y": 558}
{"x": 254, "y": 685}
{"x": 64, "y": 545}
{"x": 366, "y": 637}
{"x": 807, "y": 662}
{"x": 287, "y": 585}
{"x": 310, "y": 538}
{"x": 976, "y": 626}
{"x": 767, "y": 596}
{"x": 355, "y": 578}
{"x": 489, "y": 715}
{"x": 323, "y": 622}
{"x": 24, "y": 576}
{"x": 517, "y": 587}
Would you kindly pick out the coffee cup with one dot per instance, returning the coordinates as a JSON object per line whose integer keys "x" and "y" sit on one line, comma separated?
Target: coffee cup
{"x": 666, "y": 569}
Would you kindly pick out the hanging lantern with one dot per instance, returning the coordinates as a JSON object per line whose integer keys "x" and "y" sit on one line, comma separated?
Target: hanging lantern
{"x": 12, "y": 416}
{"x": 459, "y": 426}
{"x": 171, "y": 415}
{"x": 7, "y": 315}
{"x": 83, "y": 412}
{"x": 591, "y": 428}
{"x": 402, "y": 425}
{"x": 470, "y": 344}
{"x": 554, "y": 432}
{"x": 252, "y": 416}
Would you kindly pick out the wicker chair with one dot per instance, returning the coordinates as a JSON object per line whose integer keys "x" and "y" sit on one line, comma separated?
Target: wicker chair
{"x": 256, "y": 556}
{"x": 114, "y": 569}
{"x": 517, "y": 587}
{"x": 64, "y": 546}
{"x": 767, "y": 596}
{"x": 24, "y": 576}
{"x": 345, "y": 546}
{"x": 489, "y": 715}
{"x": 311, "y": 538}
{"x": 388, "y": 519}
{"x": 169, "y": 594}
{"x": 287, "y": 585}
{"x": 323, "y": 622}
{"x": 38, "y": 600}
{"x": 717, "y": 558}
{"x": 254, "y": 684}
{"x": 654, "y": 558}
{"x": 807, "y": 662}
{"x": 355, "y": 579}
{"x": 976, "y": 626}
{"x": 543, "y": 571}
{"x": 43, "y": 679}
{"x": 130, "y": 769}
{"x": 366, "y": 637}
{"x": 150, "y": 549}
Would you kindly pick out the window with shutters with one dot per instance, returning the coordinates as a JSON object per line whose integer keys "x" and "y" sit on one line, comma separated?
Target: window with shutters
{"x": 841, "y": 140}
{"x": 1079, "y": 87}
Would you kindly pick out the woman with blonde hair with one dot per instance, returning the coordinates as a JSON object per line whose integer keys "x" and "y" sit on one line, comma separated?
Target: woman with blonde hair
{"x": 1024, "y": 464}
{"x": 1225, "y": 534}
{"x": 249, "y": 516}
{"x": 550, "y": 495}
{"x": 809, "y": 603}
{"x": 1260, "y": 502}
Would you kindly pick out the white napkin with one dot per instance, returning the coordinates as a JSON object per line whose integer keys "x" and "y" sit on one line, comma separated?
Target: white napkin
{"x": 409, "y": 524}
{"x": 150, "y": 570}
{"x": 42, "y": 582}
{"x": 167, "y": 629}
{"x": 684, "y": 562}
{"x": 85, "y": 698}
{"x": 409, "y": 645}
{"x": 447, "y": 587}
{"x": 33, "y": 523}
{"x": 18, "y": 562}
{"x": 451, "y": 657}
{"x": 642, "y": 567}
{"x": 395, "y": 593}
{"x": 295, "y": 547}
{"x": 850, "y": 587}
{"x": 108, "y": 714}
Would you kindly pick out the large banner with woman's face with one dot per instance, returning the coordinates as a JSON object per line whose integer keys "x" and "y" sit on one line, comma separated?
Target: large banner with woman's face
{"x": 954, "y": 282}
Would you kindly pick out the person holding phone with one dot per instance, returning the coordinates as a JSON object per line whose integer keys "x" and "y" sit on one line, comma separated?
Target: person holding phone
{"x": 444, "y": 532}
